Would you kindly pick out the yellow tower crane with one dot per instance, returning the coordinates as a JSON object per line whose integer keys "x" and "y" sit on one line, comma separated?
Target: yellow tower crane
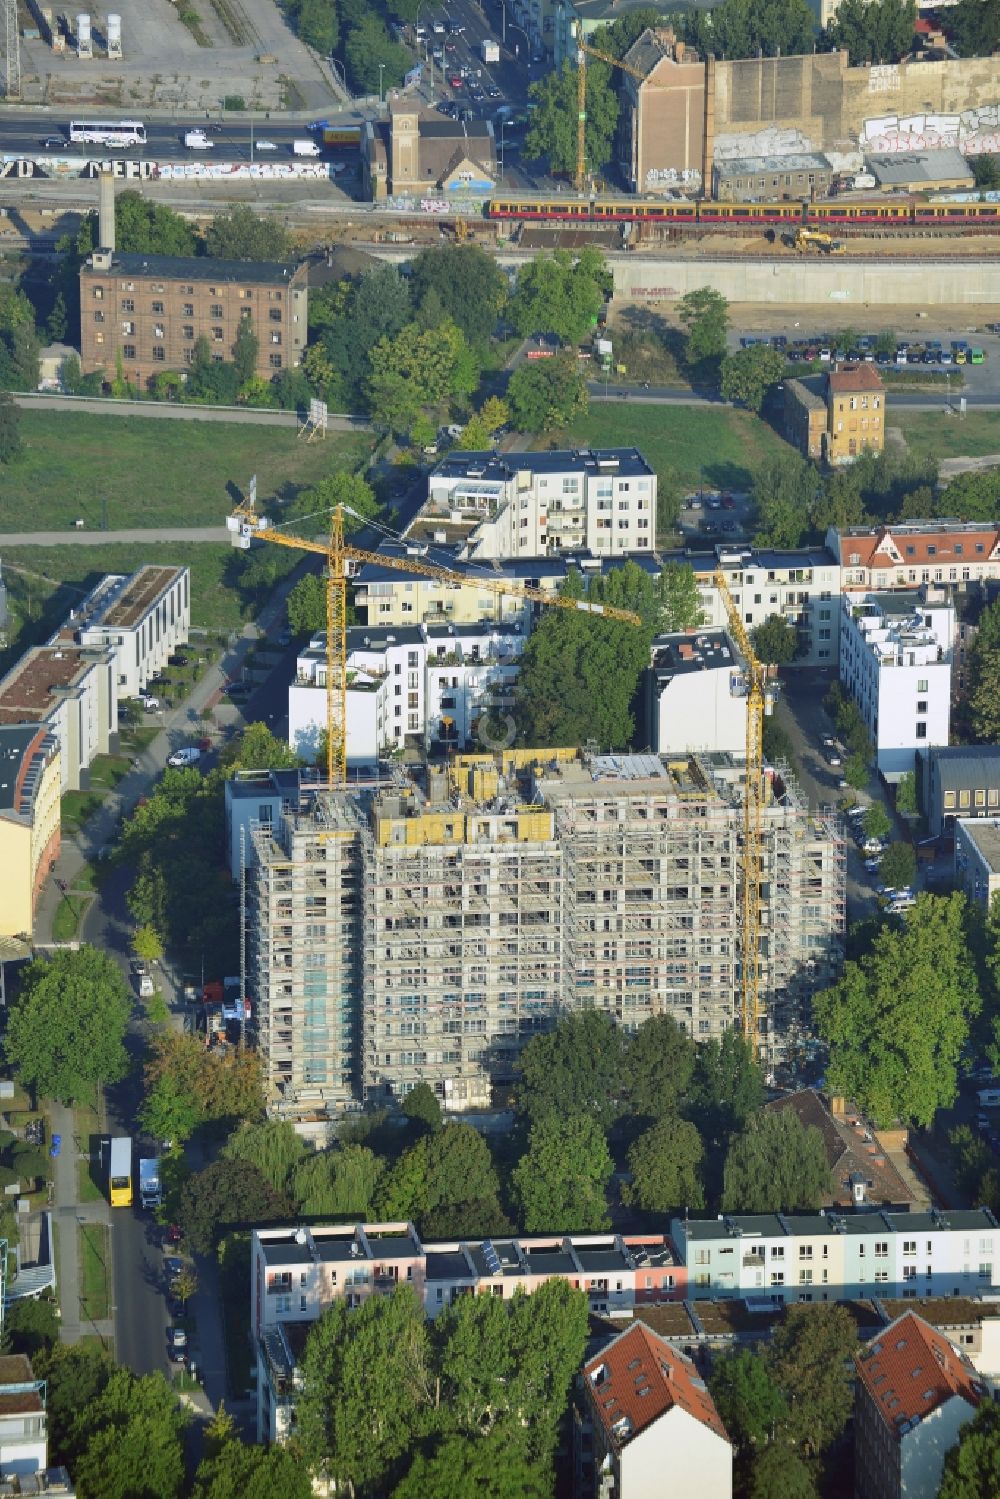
{"x": 758, "y": 703}
{"x": 245, "y": 526}
{"x": 582, "y": 53}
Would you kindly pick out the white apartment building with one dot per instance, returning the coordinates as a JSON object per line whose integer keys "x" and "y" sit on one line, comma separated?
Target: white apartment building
{"x": 432, "y": 682}
{"x": 977, "y": 857}
{"x": 895, "y": 660}
{"x": 644, "y": 1411}
{"x": 697, "y": 694}
{"x": 802, "y": 587}
{"x": 913, "y": 1393}
{"x": 143, "y": 618}
{"x": 24, "y": 1443}
{"x": 835, "y": 1256}
{"x": 71, "y": 690}
{"x": 533, "y": 504}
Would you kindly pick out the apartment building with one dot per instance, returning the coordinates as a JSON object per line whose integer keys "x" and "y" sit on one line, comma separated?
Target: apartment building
{"x": 24, "y": 1444}
{"x": 71, "y": 691}
{"x": 911, "y": 554}
{"x": 802, "y": 587}
{"x": 532, "y": 504}
{"x": 959, "y": 781}
{"x": 895, "y": 660}
{"x": 429, "y": 682}
{"x": 422, "y": 932}
{"x": 696, "y": 694}
{"x": 914, "y": 1391}
{"x": 832, "y": 1256}
{"x": 835, "y": 417}
{"x": 141, "y": 315}
{"x": 977, "y": 857}
{"x": 143, "y": 617}
{"x": 296, "y": 1273}
{"x": 644, "y": 1410}
{"x": 29, "y": 821}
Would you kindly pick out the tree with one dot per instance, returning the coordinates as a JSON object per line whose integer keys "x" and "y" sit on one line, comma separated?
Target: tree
{"x": 185, "y": 1285}
{"x": 873, "y": 33}
{"x": 856, "y": 772}
{"x": 775, "y": 640}
{"x": 11, "y": 443}
{"x": 906, "y": 795}
{"x": 227, "y": 1194}
{"x": 351, "y": 491}
{"x": 130, "y": 1440}
{"x": 471, "y": 287}
{"x": 170, "y": 1112}
{"x": 246, "y": 347}
{"x": 576, "y": 1068}
{"x": 563, "y": 1176}
{"x": 972, "y": 1464}
{"x": 419, "y": 367}
{"x": 256, "y": 748}
{"x": 553, "y": 130}
{"x": 984, "y": 677}
{"x": 665, "y": 1164}
{"x": 76, "y": 1374}
{"x": 748, "y": 374}
{"x": 422, "y": 1109}
{"x": 897, "y": 1020}
{"x": 974, "y": 27}
{"x": 30, "y": 1327}
{"x": 728, "y": 1086}
{"x": 366, "y": 46}
{"x": 704, "y": 316}
{"x": 446, "y": 1182}
{"x": 878, "y": 823}
{"x": 779, "y": 1473}
{"x": 272, "y": 1146}
{"x": 810, "y": 1359}
{"x": 898, "y": 866}
{"x": 147, "y": 944}
{"x": 680, "y": 601}
{"x": 66, "y": 1031}
{"x": 238, "y": 1471}
{"x": 490, "y": 1467}
{"x": 547, "y": 395}
{"x": 783, "y": 490}
{"x": 578, "y": 678}
{"x": 57, "y": 322}
{"x": 734, "y": 30}
{"x": 366, "y": 1384}
{"x": 306, "y": 605}
{"x": 657, "y": 1067}
{"x": 775, "y": 1165}
{"x": 243, "y": 233}
{"x": 145, "y": 228}
{"x": 748, "y": 1400}
{"x": 224, "y": 1085}
{"x": 986, "y": 173}
{"x": 338, "y": 1184}
{"x": 560, "y": 293}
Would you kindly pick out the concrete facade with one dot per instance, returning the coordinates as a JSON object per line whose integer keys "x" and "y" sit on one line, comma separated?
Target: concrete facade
{"x": 697, "y": 694}
{"x": 142, "y": 618}
{"x": 977, "y": 858}
{"x": 71, "y": 690}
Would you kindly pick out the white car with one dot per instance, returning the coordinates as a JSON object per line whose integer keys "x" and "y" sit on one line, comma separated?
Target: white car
{"x": 264, "y": 146}
{"x": 149, "y": 703}
{"x": 189, "y": 755}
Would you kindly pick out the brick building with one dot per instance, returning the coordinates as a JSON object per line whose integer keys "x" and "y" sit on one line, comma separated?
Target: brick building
{"x": 150, "y": 311}
{"x": 415, "y": 152}
{"x": 662, "y": 125}
{"x": 836, "y": 417}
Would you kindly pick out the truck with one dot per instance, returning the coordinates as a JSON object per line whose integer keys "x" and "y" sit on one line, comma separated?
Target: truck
{"x": 306, "y": 148}
{"x": 150, "y": 1190}
{"x": 489, "y": 49}
{"x": 197, "y": 140}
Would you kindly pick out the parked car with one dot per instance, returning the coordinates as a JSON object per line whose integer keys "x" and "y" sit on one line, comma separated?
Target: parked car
{"x": 178, "y": 659}
{"x": 174, "y": 1234}
{"x": 177, "y": 1341}
{"x": 833, "y": 758}
{"x": 873, "y": 865}
{"x": 149, "y": 702}
{"x": 237, "y": 690}
{"x": 189, "y": 754}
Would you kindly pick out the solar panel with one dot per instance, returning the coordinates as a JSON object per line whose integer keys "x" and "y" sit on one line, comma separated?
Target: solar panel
{"x": 491, "y": 1258}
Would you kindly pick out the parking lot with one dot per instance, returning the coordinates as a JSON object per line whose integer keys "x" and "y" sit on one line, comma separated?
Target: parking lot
{"x": 714, "y": 515}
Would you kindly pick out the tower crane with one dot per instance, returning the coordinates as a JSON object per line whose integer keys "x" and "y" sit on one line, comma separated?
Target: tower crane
{"x": 245, "y": 526}
{"x": 758, "y": 703}
{"x": 583, "y": 51}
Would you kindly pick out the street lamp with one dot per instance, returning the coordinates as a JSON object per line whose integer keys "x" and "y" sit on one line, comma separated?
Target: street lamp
{"x": 381, "y": 75}
{"x": 502, "y": 124}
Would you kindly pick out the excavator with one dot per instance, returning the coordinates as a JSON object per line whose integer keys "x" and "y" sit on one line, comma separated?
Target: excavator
{"x": 805, "y": 240}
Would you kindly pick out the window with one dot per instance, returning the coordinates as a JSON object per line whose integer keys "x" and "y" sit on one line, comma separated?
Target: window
{"x": 777, "y": 1277}
{"x": 274, "y": 313}
{"x": 128, "y": 351}
{"x": 157, "y": 307}
{"x": 188, "y": 332}
{"x": 98, "y": 293}
{"x": 909, "y": 1246}
{"x": 922, "y": 705}
{"x": 217, "y": 335}
{"x": 276, "y": 338}
{"x": 159, "y": 352}
{"x": 215, "y": 310}
{"x": 882, "y": 1249}
{"x": 921, "y": 731}
{"x": 275, "y": 361}
{"x": 187, "y": 310}
{"x": 922, "y": 684}
{"x": 128, "y": 304}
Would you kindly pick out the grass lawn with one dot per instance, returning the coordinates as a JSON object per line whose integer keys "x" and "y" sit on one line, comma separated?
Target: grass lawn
{"x": 87, "y": 1138}
{"x": 95, "y": 1247}
{"x": 157, "y": 472}
{"x": 137, "y": 737}
{"x": 77, "y": 807}
{"x": 69, "y": 914}
{"x": 937, "y": 434}
{"x": 687, "y": 445}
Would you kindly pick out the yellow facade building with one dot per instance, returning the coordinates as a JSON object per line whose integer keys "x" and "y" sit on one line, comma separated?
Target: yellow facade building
{"x": 29, "y": 821}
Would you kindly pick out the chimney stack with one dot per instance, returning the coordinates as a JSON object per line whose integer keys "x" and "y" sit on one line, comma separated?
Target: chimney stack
{"x": 106, "y": 211}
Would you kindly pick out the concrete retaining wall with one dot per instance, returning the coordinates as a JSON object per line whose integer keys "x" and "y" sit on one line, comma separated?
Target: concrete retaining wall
{"x": 801, "y": 281}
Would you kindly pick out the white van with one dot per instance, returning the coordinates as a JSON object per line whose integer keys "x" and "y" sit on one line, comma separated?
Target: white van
{"x": 306, "y": 148}
{"x": 989, "y": 1098}
{"x": 189, "y": 755}
{"x": 197, "y": 140}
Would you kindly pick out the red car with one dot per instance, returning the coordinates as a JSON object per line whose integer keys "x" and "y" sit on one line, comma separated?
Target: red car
{"x": 174, "y": 1234}
{"x": 728, "y": 503}
{"x": 454, "y": 81}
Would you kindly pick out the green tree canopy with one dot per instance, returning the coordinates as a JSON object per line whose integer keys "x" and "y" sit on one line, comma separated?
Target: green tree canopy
{"x": 775, "y": 640}
{"x": 746, "y": 375}
{"x": 878, "y": 823}
{"x": 748, "y": 1400}
{"x": 665, "y": 1163}
{"x": 680, "y": 601}
{"x": 578, "y": 677}
{"x": 972, "y": 1465}
{"x": 447, "y": 1183}
{"x": 974, "y": 27}
{"x": 471, "y": 288}
{"x": 76, "y": 1374}
{"x": 257, "y": 748}
{"x": 30, "y": 1326}
{"x": 420, "y": 367}
{"x": 560, "y": 293}
{"x": 475, "y": 1467}
{"x": 898, "y": 866}
{"x": 130, "y": 1440}
{"x": 657, "y": 1067}
{"x": 984, "y": 677}
{"x": 422, "y": 1108}
{"x": 727, "y": 1088}
{"x": 306, "y": 605}
{"x": 563, "y": 1176}
{"x": 879, "y": 32}
{"x": 141, "y": 228}
{"x": 783, "y": 491}
{"x": 775, "y": 1165}
{"x": 547, "y": 395}
{"x": 243, "y": 233}
{"x": 11, "y": 442}
{"x": 810, "y": 1359}
{"x": 576, "y": 1068}
{"x": 704, "y": 316}
{"x": 735, "y": 29}
{"x": 272, "y": 1146}
{"x": 340, "y": 1184}
{"x": 552, "y": 133}
{"x": 779, "y": 1473}
{"x": 65, "y": 1033}
{"x": 898, "y": 1019}
{"x": 227, "y": 1194}
{"x": 239, "y": 1471}
{"x": 368, "y": 44}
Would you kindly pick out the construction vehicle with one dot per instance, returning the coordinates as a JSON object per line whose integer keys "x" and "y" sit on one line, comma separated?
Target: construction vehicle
{"x": 816, "y": 239}
{"x": 583, "y": 51}
{"x": 758, "y": 703}
{"x": 245, "y": 526}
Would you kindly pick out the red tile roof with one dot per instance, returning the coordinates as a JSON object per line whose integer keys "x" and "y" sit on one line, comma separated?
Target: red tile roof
{"x": 910, "y": 1369}
{"x": 638, "y": 1378}
{"x": 847, "y": 380}
{"x": 889, "y": 547}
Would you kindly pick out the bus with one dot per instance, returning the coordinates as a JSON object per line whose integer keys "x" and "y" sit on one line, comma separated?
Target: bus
{"x": 120, "y": 1172}
{"x": 107, "y": 133}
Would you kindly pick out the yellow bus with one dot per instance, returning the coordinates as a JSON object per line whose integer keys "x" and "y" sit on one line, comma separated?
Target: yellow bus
{"x": 120, "y": 1172}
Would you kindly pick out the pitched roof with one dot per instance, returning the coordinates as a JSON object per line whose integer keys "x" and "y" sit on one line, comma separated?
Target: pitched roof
{"x": 844, "y": 380}
{"x": 910, "y": 1369}
{"x": 916, "y": 545}
{"x": 850, "y": 1149}
{"x": 639, "y": 1377}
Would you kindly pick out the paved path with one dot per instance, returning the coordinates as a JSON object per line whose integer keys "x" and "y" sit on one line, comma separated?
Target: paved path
{"x": 171, "y": 411}
{"x": 68, "y": 1214}
{"x": 85, "y": 538}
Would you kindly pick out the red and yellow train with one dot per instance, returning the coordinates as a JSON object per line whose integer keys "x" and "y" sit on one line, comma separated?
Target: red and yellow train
{"x": 832, "y": 213}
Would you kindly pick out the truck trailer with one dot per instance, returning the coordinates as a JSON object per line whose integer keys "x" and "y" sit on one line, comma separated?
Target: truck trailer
{"x": 150, "y": 1188}
{"x": 490, "y": 50}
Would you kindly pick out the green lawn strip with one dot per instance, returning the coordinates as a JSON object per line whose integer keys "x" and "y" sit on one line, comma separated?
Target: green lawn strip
{"x": 69, "y": 914}
{"x": 86, "y": 879}
{"x": 95, "y": 1265}
{"x": 165, "y": 472}
{"x": 87, "y": 1140}
{"x": 87, "y": 1189}
{"x": 940, "y": 434}
{"x": 689, "y": 444}
{"x": 136, "y": 738}
{"x": 77, "y": 807}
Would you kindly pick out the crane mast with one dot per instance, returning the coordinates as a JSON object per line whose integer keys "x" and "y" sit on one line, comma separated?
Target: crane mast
{"x": 751, "y": 1009}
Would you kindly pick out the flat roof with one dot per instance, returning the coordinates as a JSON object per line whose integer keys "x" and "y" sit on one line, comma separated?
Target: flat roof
{"x": 797, "y": 161}
{"x": 140, "y": 593}
{"x": 492, "y": 467}
{"x": 683, "y": 654}
{"x": 15, "y": 742}
{"x": 29, "y": 688}
{"x": 393, "y": 1247}
{"x": 944, "y": 165}
{"x": 984, "y": 835}
{"x": 448, "y": 1265}
{"x": 594, "y": 1261}
{"x": 285, "y": 1252}
{"x": 548, "y": 1261}
{"x": 196, "y": 268}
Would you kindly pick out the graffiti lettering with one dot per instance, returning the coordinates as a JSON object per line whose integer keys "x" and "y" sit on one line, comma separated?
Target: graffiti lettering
{"x": 654, "y": 293}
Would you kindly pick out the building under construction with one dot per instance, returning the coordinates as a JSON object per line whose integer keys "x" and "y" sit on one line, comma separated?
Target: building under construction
{"x": 422, "y": 932}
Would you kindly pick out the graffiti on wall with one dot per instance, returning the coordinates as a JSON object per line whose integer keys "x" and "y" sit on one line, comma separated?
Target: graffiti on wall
{"x": 658, "y": 178}
{"x": 973, "y": 132}
{"x": 773, "y": 140}
{"x": 165, "y": 171}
